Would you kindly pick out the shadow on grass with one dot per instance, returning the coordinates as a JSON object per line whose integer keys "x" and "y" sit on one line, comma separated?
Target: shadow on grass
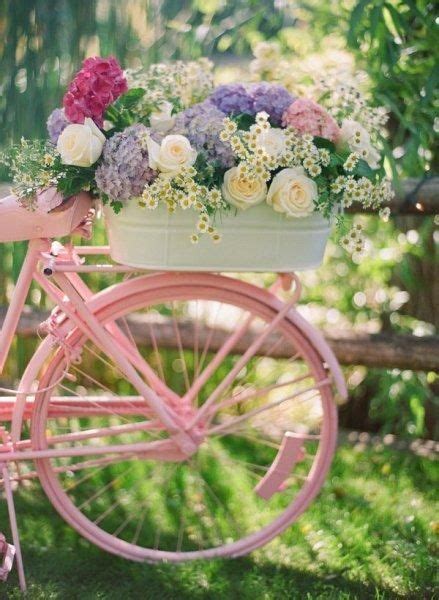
{"x": 61, "y": 565}
{"x": 87, "y": 573}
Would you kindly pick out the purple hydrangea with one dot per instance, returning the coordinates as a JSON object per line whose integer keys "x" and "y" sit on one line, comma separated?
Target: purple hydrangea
{"x": 236, "y": 98}
{"x": 202, "y": 124}
{"x": 125, "y": 169}
{"x": 56, "y": 123}
{"x": 233, "y": 98}
{"x": 272, "y": 98}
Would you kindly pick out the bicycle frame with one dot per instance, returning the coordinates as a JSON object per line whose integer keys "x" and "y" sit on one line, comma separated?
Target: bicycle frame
{"x": 69, "y": 294}
{"x": 60, "y": 279}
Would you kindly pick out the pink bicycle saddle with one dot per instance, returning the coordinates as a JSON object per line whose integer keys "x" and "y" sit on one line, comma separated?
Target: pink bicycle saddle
{"x": 18, "y": 224}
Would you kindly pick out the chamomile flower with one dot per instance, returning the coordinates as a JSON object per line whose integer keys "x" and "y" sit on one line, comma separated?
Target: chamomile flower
{"x": 351, "y": 161}
{"x": 384, "y": 214}
{"x": 202, "y": 226}
{"x": 48, "y": 159}
{"x": 215, "y": 236}
{"x": 151, "y": 203}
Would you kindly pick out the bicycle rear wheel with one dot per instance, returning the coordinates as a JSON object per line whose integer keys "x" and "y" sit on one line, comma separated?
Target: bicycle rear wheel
{"x": 269, "y": 436}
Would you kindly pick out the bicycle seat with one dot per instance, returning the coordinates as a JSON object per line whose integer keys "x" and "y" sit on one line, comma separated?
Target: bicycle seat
{"x": 18, "y": 224}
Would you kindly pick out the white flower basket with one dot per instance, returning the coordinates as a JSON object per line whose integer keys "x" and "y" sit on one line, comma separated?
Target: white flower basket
{"x": 257, "y": 239}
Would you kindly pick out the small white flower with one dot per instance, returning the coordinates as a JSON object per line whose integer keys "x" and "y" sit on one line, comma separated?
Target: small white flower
{"x": 385, "y": 213}
{"x": 358, "y": 140}
{"x": 81, "y": 145}
{"x": 202, "y": 226}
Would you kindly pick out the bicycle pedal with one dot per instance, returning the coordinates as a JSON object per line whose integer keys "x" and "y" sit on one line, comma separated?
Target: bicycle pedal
{"x": 7, "y": 553}
{"x": 289, "y": 453}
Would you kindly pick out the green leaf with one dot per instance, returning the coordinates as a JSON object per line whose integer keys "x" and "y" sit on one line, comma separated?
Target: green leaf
{"x": 321, "y": 142}
{"x": 130, "y": 99}
{"x": 356, "y": 16}
{"x": 117, "y": 206}
{"x": 396, "y": 19}
{"x": 244, "y": 121}
{"x": 375, "y": 19}
{"x": 363, "y": 170}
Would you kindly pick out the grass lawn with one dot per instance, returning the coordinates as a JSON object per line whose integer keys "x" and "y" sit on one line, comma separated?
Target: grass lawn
{"x": 372, "y": 533}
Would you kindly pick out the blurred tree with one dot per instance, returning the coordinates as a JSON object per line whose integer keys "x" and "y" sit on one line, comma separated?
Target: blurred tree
{"x": 399, "y": 40}
{"x": 397, "y": 43}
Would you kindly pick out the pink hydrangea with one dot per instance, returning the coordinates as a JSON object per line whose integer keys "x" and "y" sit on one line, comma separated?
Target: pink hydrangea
{"x": 309, "y": 117}
{"x": 95, "y": 86}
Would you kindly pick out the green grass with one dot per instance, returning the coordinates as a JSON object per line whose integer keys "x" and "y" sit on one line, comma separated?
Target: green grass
{"x": 372, "y": 533}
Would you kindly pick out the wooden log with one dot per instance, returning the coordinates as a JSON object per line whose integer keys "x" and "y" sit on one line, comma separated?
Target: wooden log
{"x": 387, "y": 350}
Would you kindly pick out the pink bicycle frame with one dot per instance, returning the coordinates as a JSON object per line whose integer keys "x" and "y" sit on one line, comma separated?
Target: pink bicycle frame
{"x": 71, "y": 295}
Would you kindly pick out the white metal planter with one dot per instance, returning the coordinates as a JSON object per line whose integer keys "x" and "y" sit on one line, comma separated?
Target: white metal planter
{"x": 257, "y": 239}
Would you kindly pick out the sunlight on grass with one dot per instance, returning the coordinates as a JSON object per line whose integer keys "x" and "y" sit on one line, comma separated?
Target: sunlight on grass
{"x": 370, "y": 534}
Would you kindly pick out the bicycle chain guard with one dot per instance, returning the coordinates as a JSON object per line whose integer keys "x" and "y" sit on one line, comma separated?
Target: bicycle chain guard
{"x": 290, "y": 452}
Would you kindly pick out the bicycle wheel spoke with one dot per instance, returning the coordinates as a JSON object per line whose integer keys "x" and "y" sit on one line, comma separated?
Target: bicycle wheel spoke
{"x": 104, "y": 432}
{"x": 104, "y": 488}
{"x": 165, "y": 492}
{"x": 208, "y": 341}
{"x": 245, "y": 397}
{"x": 157, "y": 355}
{"x": 260, "y": 410}
{"x": 180, "y": 348}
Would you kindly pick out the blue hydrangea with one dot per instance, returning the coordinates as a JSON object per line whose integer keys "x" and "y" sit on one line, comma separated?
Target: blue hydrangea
{"x": 125, "y": 169}
{"x": 233, "y": 98}
{"x": 272, "y": 98}
{"x": 56, "y": 123}
{"x": 202, "y": 124}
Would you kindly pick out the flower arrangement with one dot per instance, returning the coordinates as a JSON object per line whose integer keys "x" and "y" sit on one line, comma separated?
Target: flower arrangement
{"x": 168, "y": 136}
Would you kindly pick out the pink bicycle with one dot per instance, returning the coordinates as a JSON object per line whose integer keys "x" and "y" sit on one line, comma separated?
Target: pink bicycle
{"x": 173, "y": 416}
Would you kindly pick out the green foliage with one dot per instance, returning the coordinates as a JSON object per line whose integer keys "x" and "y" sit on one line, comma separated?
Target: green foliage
{"x": 371, "y": 533}
{"x": 120, "y": 113}
{"x": 396, "y": 42}
{"x": 34, "y": 165}
{"x": 243, "y": 120}
{"x": 74, "y": 179}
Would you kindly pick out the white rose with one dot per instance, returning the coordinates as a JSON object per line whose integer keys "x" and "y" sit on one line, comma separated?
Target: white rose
{"x": 358, "y": 140}
{"x": 273, "y": 141}
{"x": 241, "y": 191}
{"x": 81, "y": 145}
{"x": 162, "y": 119}
{"x": 172, "y": 155}
{"x": 292, "y": 192}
